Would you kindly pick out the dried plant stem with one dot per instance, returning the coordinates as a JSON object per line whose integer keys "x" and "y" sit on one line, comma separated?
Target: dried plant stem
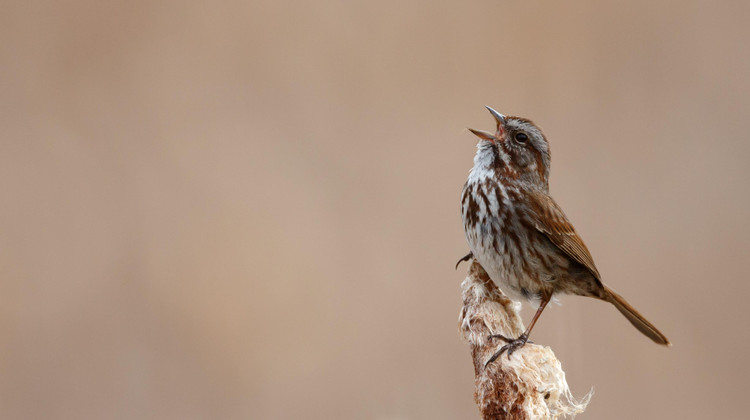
{"x": 531, "y": 385}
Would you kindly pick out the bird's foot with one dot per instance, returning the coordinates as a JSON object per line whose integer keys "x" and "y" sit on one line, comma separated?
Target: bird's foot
{"x": 506, "y": 339}
{"x": 511, "y": 347}
{"x": 500, "y": 336}
{"x": 466, "y": 257}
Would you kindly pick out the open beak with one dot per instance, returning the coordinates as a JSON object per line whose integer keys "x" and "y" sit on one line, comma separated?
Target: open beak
{"x": 500, "y": 119}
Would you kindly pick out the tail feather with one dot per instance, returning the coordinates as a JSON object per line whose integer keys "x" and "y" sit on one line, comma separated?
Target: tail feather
{"x": 635, "y": 317}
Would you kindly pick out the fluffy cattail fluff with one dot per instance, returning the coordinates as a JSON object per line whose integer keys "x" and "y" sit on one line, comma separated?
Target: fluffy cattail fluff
{"x": 529, "y": 385}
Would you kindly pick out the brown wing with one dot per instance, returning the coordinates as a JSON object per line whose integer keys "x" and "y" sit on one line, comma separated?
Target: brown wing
{"x": 549, "y": 219}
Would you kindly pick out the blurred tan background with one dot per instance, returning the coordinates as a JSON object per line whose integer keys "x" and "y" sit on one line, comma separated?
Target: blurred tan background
{"x": 250, "y": 210}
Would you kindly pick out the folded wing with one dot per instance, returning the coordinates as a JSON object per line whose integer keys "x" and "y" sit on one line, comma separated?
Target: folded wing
{"x": 549, "y": 219}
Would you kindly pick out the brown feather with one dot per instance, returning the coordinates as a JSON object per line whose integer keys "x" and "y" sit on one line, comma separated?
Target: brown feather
{"x": 549, "y": 219}
{"x": 635, "y": 317}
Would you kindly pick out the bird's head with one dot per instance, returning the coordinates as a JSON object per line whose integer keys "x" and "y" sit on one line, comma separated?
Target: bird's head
{"x": 517, "y": 151}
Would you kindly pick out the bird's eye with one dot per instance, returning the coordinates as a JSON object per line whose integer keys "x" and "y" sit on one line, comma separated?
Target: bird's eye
{"x": 521, "y": 138}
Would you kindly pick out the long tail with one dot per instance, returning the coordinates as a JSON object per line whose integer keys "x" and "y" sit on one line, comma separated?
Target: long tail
{"x": 635, "y": 317}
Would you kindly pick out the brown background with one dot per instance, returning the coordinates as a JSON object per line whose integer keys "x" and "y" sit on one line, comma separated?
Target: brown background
{"x": 249, "y": 210}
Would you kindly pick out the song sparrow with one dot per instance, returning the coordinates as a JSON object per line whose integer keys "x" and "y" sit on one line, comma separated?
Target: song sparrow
{"x": 520, "y": 235}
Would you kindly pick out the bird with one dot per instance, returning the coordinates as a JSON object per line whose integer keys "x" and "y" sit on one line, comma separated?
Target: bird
{"x": 520, "y": 235}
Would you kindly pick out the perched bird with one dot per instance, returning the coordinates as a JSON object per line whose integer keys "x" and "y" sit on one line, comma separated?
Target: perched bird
{"x": 520, "y": 236}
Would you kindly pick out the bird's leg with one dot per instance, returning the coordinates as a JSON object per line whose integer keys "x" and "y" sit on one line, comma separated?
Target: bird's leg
{"x": 466, "y": 257}
{"x": 519, "y": 342}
